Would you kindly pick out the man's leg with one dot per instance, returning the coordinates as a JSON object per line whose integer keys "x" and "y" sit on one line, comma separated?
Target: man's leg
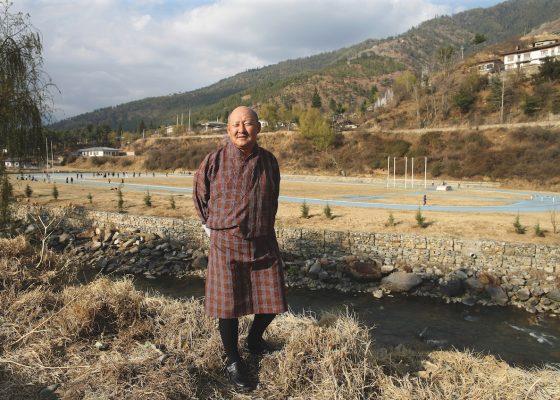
{"x": 230, "y": 336}
{"x": 255, "y": 341}
{"x": 236, "y": 369}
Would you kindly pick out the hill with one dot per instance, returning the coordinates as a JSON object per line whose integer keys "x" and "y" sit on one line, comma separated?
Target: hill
{"x": 343, "y": 77}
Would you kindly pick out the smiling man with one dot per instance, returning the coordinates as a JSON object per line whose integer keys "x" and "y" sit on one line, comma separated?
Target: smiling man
{"x": 235, "y": 193}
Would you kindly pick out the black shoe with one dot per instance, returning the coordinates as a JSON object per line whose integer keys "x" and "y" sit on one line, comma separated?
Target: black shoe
{"x": 261, "y": 347}
{"x": 237, "y": 374}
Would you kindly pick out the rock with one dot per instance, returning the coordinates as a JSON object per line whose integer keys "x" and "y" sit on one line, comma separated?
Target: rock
{"x": 364, "y": 271}
{"x": 537, "y": 291}
{"x": 200, "y": 262}
{"x": 97, "y": 231}
{"x": 523, "y": 294}
{"x": 134, "y": 250}
{"x": 378, "y": 294}
{"x": 469, "y": 301}
{"x": 452, "y": 288}
{"x": 401, "y": 281}
{"x": 497, "y": 294}
{"x": 314, "y": 269}
{"x": 30, "y": 229}
{"x": 459, "y": 274}
{"x": 554, "y": 295}
{"x": 387, "y": 269}
{"x": 148, "y": 237}
{"x": 128, "y": 243}
{"x": 107, "y": 236}
{"x": 64, "y": 238}
{"x": 101, "y": 346}
{"x": 48, "y": 393}
{"x": 95, "y": 246}
{"x": 474, "y": 284}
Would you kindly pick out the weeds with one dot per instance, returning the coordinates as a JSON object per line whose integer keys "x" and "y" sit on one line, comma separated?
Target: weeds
{"x": 120, "y": 200}
{"x": 54, "y": 192}
{"x": 90, "y": 198}
{"x": 28, "y": 191}
{"x": 172, "y": 204}
{"x": 539, "y": 232}
{"x": 148, "y": 199}
{"x": 391, "y": 220}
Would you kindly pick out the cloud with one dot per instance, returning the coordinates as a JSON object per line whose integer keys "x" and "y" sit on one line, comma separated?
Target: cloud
{"x": 105, "y": 52}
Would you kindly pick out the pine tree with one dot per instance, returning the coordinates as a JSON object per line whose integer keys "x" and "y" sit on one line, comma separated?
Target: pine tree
{"x": 316, "y": 99}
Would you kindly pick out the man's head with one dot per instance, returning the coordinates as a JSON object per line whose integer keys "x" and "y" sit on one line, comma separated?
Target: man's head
{"x": 243, "y": 127}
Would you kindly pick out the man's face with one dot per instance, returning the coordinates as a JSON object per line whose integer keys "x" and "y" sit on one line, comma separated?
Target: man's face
{"x": 243, "y": 127}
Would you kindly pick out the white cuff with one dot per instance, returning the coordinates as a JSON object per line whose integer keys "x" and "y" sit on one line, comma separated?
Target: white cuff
{"x": 207, "y": 230}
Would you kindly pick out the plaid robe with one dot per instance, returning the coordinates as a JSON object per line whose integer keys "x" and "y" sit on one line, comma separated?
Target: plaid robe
{"x": 237, "y": 198}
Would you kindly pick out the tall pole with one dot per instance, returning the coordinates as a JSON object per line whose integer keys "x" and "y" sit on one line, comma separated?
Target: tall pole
{"x": 502, "y": 103}
{"x": 47, "y": 155}
{"x": 405, "y": 170}
{"x": 189, "y": 119}
{"x": 412, "y": 175}
{"x": 388, "y": 170}
{"x": 52, "y": 156}
{"x": 394, "y": 176}
{"x": 425, "y": 172}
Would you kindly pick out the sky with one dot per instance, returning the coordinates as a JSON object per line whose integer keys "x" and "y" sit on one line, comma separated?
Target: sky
{"x": 103, "y": 53}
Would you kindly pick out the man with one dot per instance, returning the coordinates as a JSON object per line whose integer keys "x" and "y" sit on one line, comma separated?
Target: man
{"x": 235, "y": 192}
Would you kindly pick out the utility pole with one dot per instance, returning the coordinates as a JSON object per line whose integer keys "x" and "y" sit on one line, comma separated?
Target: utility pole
{"x": 502, "y": 103}
{"x": 394, "y": 175}
{"x": 425, "y": 172}
{"x": 405, "y": 170}
{"x": 412, "y": 175}
{"x": 388, "y": 170}
{"x": 189, "y": 119}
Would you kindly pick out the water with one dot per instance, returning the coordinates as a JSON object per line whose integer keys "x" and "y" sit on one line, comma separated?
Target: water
{"x": 510, "y": 334}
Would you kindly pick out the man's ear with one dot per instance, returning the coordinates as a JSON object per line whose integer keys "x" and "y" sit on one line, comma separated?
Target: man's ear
{"x": 259, "y": 127}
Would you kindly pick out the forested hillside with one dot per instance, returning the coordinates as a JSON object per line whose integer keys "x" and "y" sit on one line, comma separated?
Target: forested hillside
{"x": 344, "y": 79}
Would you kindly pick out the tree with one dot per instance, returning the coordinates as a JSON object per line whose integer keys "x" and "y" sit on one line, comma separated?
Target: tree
{"x": 316, "y": 99}
{"x": 269, "y": 113}
{"x": 6, "y": 197}
{"x": 532, "y": 105}
{"x": 317, "y": 129}
{"x": 479, "y": 38}
{"x": 464, "y": 99}
{"x": 25, "y": 99}
{"x": 550, "y": 69}
{"x": 141, "y": 126}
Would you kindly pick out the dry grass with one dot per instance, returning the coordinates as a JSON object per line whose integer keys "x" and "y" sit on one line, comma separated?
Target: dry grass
{"x": 496, "y": 226}
{"x": 159, "y": 348}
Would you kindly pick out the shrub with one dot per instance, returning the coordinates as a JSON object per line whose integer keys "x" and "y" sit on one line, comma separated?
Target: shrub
{"x": 538, "y": 230}
{"x": 148, "y": 199}
{"x": 90, "y": 198}
{"x": 172, "y": 204}
{"x": 55, "y": 192}
{"x": 6, "y": 196}
{"x": 519, "y": 229}
{"x": 390, "y": 220}
{"x": 420, "y": 219}
{"x": 120, "y": 200}
{"x": 28, "y": 191}
{"x": 304, "y": 210}
{"x": 327, "y": 211}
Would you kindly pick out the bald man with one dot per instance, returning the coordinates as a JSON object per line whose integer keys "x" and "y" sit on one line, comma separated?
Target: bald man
{"x": 235, "y": 193}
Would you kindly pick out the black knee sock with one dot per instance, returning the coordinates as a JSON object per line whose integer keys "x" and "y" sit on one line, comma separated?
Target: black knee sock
{"x": 260, "y": 323}
{"x": 229, "y": 334}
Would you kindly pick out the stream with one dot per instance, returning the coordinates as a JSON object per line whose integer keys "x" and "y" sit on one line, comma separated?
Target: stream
{"x": 510, "y": 334}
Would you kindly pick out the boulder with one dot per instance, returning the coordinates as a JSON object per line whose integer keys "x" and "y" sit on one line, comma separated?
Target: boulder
{"x": 200, "y": 262}
{"x": 364, "y": 271}
{"x": 474, "y": 284}
{"x": 452, "y": 288}
{"x": 314, "y": 270}
{"x": 497, "y": 294}
{"x": 401, "y": 281}
{"x": 523, "y": 294}
{"x": 64, "y": 238}
{"x": 95, "y": 246}
{"x": 554, "y": 295}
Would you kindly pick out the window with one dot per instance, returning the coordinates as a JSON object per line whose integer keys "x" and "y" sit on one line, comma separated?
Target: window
{"x": 510, "y": 58}
{"x": 544, "y": 53}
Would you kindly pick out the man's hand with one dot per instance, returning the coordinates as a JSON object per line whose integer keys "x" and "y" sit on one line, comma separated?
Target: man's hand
{"x": 207, "y": 230}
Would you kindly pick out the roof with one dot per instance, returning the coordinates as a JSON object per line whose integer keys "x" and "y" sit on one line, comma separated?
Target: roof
{"x": 99, "y": 149}
{"x": 530, "y": 49}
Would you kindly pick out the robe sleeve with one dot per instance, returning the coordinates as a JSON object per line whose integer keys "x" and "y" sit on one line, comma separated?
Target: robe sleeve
{"x": 201, "y": 189}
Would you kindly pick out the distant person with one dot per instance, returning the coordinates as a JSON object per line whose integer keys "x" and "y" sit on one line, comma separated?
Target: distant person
{"x": 235, "y": 193}
{"x": 425, "y": 200}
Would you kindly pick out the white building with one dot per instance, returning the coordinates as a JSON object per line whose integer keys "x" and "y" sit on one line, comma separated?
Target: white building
{"x": 533, "y": 56}
{"x": 99, "y": 152}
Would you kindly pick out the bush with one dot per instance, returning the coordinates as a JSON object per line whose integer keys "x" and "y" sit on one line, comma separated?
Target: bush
{"x": 172, "y": 204}
{"x": 120, "y": 200}
{"x": 420, "y": 219}
{"x": 519, "y": 229}
{"x": 90, "y": 198}
{"x": 538, "y": 230}
{"x": 304, "y": 210}
{"x": 327, "y": 211}
{"x": 55, "y": 192}
{"x": 390, "y": 220}
{"x": 28, "y": 191}
{"x": 148, "y": 199}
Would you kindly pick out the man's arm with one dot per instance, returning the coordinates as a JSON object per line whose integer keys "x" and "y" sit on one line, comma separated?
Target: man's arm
{"x": 201, "y": 190}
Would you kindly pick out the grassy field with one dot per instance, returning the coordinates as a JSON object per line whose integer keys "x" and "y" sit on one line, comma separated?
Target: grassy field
{"x": 496, "y": 226}
{"x": 106, "y": 340}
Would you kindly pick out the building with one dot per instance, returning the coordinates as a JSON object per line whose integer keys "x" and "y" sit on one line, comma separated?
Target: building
{"x": 532, "y": 56}
{"x": 99, "y": 152}
{"x": 17, "y": 163}
{"x": 489, "y": 66}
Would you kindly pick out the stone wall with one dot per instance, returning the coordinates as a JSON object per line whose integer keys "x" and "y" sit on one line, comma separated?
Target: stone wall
{"x": 445, "y": 254}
